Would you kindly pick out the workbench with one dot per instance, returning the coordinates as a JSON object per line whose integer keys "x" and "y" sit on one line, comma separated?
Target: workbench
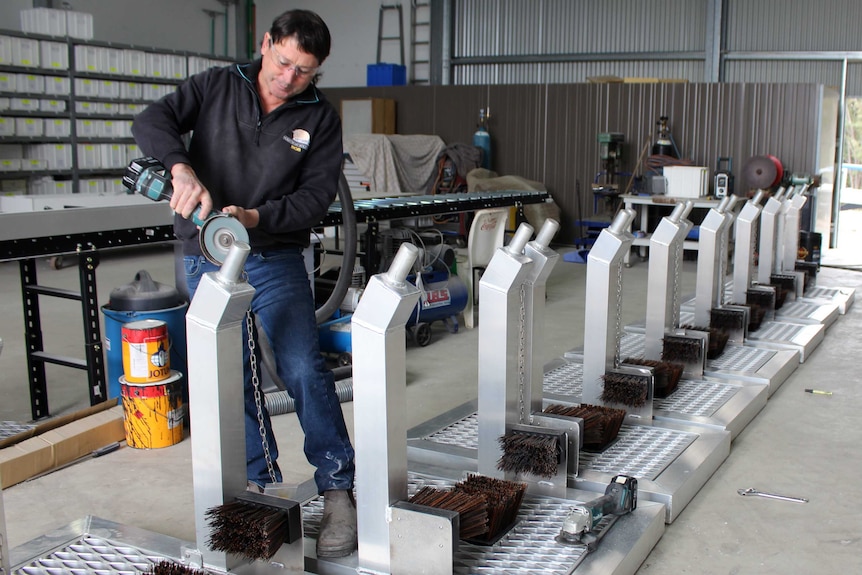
{"x": 84, "y": 231}
{"x": 640, "y": 225}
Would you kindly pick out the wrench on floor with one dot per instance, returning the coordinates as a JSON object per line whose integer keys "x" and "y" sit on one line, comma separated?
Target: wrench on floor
{"x": 753, "y": 491}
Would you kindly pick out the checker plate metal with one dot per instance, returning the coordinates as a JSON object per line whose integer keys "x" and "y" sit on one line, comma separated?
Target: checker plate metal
{"x": 566, "y": 379}
{"x": 735, "y": 357}
{"x": 528, "y": 548}
{"x": 90, "y": 554}
{"x": 641, "y": 451}
{"x": 12, "y": 428}
{"x": 696, "y": 398}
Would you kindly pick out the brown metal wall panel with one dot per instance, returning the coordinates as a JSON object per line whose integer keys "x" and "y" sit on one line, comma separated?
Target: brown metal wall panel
{"x": 549, "y": 133}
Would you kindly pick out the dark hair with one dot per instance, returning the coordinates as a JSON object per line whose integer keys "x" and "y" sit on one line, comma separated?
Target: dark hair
{"x": 308, "y": 28}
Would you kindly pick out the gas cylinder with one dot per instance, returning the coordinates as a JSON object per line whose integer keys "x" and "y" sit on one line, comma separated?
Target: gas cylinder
{"x": 482, "y": 139}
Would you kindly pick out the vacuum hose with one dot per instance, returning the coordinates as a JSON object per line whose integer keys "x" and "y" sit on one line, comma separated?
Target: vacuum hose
{"x": 280, "y": 400}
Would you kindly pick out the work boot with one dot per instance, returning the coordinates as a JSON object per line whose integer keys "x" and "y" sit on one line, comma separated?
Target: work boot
{"x": 337, "y": 537}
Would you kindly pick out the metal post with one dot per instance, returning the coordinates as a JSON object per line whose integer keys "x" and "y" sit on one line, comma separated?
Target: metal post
{"x": 502, "y": 341}
{"x": 602, "y": 322}
{"x": 743, "y": 253}
{"x": 379, "y": 402}
{"x": 663, "y": 281}
{"x": 791, "y": 230}
{"x": 708, "y": 289}
{"x": 767, "y": 257}
{"x": 214, "y": 324}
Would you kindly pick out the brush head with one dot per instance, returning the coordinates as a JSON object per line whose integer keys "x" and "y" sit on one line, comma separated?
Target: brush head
{"x": 254, "y": 526}
{"x": 718, "y": 339}
{"x": 681, "y": 349}
{"x": 530, "y": 453}
{"x": 625, "y": 389}
{"x": 171, "y": 568}
{"x": 726, "y": 319}
{"x": 487, "y": 507}
{"x": 601, "y": 424}
{"x": 667, "y": 374}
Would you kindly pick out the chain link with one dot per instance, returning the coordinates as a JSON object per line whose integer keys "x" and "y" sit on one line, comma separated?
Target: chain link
{"x": 258, "y": 395}
{"x": 723, "y": 254}
{"x": 677, "y": 257}
{"x": 618, "y": 334}
{"x": 522, "y": 357}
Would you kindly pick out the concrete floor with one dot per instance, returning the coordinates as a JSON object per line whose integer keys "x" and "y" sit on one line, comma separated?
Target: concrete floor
{"x": 800, "y": 444}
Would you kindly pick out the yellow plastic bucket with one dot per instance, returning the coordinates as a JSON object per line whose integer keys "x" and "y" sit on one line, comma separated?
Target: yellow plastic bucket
{"x": 153, "y": 413}
{"x": 146, "y": 351}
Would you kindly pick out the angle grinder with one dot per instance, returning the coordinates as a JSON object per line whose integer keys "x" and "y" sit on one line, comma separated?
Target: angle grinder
{"x": 218, "y": 231}
{"x": 579, "y": 526}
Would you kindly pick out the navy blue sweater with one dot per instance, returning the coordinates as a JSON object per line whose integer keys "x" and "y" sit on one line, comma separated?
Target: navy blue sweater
{"x": 286, "y": 164}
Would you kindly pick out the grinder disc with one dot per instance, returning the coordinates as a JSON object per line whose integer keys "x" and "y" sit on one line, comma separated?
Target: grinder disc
{"x": 760, "y": 172}
{"x": 218, "y": 234}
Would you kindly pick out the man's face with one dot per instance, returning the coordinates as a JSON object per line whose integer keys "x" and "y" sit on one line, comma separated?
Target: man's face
{"x": 286, "y": 70}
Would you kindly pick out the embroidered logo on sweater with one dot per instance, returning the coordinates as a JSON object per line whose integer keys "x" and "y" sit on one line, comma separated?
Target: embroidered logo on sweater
{"x": 299, "y": 141}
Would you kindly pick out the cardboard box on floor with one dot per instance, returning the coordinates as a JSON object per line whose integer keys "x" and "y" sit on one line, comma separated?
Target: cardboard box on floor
{"x": 60, "y": 446}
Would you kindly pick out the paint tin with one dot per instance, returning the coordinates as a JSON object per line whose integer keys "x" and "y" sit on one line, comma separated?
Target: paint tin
{"x": 146, "y": 351}
{"x": 153, "y": 413}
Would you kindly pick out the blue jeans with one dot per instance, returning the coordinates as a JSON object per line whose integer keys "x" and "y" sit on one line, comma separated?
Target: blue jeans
{"x": 283, "y": 307}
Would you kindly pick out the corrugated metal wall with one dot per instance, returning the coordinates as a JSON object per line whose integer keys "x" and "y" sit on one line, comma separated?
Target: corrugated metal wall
{"x": 669, "y": 33}
{"x": 547, "y": 132}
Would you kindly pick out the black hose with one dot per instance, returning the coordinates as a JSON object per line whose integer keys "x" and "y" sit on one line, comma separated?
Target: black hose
{"x": 345, "y": 274}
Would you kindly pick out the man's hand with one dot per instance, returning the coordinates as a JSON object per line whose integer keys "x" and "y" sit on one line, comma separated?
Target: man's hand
{"x": 248, "y": 218}
{"x": 189, "y": 192}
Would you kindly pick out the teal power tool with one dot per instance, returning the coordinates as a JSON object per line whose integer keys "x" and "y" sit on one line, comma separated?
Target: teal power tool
{"x": 218, "y": 231}
{"x": 587, "y": 523}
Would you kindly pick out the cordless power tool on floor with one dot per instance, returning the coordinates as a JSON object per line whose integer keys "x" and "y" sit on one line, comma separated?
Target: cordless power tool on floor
{"x": 218, "y": 231}
{"x": 587, "y": 523}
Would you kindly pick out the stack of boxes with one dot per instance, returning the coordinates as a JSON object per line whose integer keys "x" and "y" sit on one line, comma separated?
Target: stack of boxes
{"x": 41, "y": 101}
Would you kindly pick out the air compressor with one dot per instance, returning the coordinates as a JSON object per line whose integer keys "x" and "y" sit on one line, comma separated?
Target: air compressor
{"x": 442, "y": 296}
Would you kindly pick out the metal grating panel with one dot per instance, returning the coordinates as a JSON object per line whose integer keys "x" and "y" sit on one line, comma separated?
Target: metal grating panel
{"x": 778, "y": 331}
{"x": 565, "y": 380}
{"x": 741, "y": 358}
{"x": 464, "y": 433}
{"x": 528, "y": 548}
{"x": 12, "y": 428}
{"x": 91, "y": 554}
{"x": 641, "y": 451}
{"x": 696, "y": 398}
{"x": 821, "y": 292}
{"x": 799, "y": 309}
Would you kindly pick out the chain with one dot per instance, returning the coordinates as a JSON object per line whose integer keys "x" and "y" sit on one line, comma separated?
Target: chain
{"x": 522, "y": 357}
{"x": 723, "y": 254}
{"x": 258, "y": 395}
{"x": 675, "y": 299}
{"x": 618, "y": 334}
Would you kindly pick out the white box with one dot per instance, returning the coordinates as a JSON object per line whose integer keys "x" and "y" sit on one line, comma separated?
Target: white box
{"x": 4, "y": 104}
{"x": 79, "y": 25}
{"x": 86, "y": 88}
{"x": 6, "y": 50}
{"x": 109, "y": 89}
{"x": 133, "y": 152}
{"x": 57, "y": 127}
{"x": 24, "y": 104}
{"x": 177, "y": 68}
{"x": 7, "y": 126}
{"x": 132, "y": 109}
{"x": 130, "y": 91}
{"x": 151, "y": 92}
{"x": 88, "y": 128}
{"x": 10, "y": 165}
{"x": 48, "y": 21}
{"x": 56, "y": 106}
{"x": 8, "y": 82}
{"x": 109, "y": 108}
{"x": 114, "y": 156}
{"x": 89, "y": 156}
{"x": 34, "y": 165}
{"x": 60, "y": 156}
{"x": 108, "y": 129}
{"x": 29, "y": 127}
{"x": 157, "y": 66}
{"x": 30, "y": 83}
{"x": 91, "y": 186}
{"x": 112, "y": 61}
{"x": 87, "y": 107}
{"x": 87, "y": 58}
{"x": 54, "y": 55}
{"x": 114, "y": 185}
{"x": 686, "y": 181}
{"x": 25, "y": 52}
{"x": 57, "y": 86}
{"x": 135, "y": 62}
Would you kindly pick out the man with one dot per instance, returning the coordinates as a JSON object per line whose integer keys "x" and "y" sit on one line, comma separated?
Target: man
{"x": 266, "y": 149}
